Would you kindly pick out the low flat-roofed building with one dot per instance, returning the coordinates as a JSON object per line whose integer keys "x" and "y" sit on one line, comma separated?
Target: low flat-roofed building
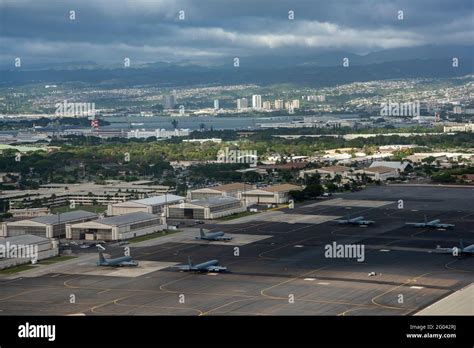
{"x": 23, "y": 249}
{"x": 227, "y": 190}
{"x": 49, "y": 226}
{"x": 203, "y": 209}
{"x": 275, "y": 194}
{"x": 116, "y": 227}
{"x": 29, "y": 212}
{"x": 152, "y": 205}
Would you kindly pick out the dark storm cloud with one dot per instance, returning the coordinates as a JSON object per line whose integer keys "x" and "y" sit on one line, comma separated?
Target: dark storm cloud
{"x": 147, "y": 31}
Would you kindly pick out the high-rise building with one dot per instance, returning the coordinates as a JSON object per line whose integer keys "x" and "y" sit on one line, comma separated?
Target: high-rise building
{"x": 279, "y": 104}
{"x": 242, "y": 104}
{"x": 169, "y": 101}
{"x": 216, "y": 104}
{"x": 267, "y": 105}
{"x": 256, "y": 101}
{"x": 295, "y": 103}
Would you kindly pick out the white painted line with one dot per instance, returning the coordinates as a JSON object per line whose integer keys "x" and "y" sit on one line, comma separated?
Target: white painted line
{"x": 310, "y": 279}
{"x": 212, "y": 274}
{"x": 417, "y": 287}
{"x": 323, "y": 283}
{"x": 298, "y": 246}
{"x": 384, "y": 250}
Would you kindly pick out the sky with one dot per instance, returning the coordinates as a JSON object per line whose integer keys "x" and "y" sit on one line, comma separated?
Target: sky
{"x": 107, "y": 31}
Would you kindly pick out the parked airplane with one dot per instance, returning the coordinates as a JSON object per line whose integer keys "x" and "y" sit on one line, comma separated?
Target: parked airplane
{"x": 208, "y": 266}
{"x": 356, "y": 221}
{"x": 213, "y": 236}
{"x": 124, "y": 261}
{"x": 432, "y": 224}
{"x": 456, "y": 251}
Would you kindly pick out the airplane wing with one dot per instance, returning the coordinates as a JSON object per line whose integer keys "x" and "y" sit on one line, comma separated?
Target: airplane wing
{"x": 224, "y": 238}
{"x": 417, "y": 224}
{"x": 216, "y": 269}
{"x": 128, "y": 263}
{"x": 469, "y": 249}
{"x": 444, "y": 225}
{"x": 182, "y": 268}
{"x": 367, "y": 222}
{"x": 444, "y": 250}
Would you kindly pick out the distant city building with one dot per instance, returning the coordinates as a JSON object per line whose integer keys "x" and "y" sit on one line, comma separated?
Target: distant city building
{"x": 295, "y": 103}
{"x": 216, "y": 104}
{"x": 212, "y": 140}
{"x": 242, "y": 104}
{"x": 279, "y": 104}
{"x": 316, "y": 98}
{"x": 267, "y": 105}
{"x": 169, "y": 101}
{"x": 158, "y": 133}
{"x": 457, "y": 109}
{"x": 256, "y": 102}
{"x": 468, "y": 127}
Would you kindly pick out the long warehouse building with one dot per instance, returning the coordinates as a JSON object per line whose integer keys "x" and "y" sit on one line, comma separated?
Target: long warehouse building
{"x": 116, "y": 227}
{"x": 49, "y": 226}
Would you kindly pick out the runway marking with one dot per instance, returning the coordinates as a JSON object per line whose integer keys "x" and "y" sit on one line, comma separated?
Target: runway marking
{"x": 342, "y": 202}
{"x": 224, "y": 305}
{"x": 157, "y": 306}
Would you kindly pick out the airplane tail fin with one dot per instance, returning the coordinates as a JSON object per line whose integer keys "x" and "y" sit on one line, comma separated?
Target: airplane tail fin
{"x": 190, "y": 262}
{"x": 461, "y": 244}
{"x": 201, "y": 232}
{"x": 101, "y": 257}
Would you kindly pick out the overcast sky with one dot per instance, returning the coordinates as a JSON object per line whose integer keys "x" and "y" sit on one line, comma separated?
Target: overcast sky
{"x": 106, "y": 31}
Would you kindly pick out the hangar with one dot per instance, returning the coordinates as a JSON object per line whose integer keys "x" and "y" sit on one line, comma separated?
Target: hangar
{"x": 152, "y": 205}
{"x": 276, "y": 194}
{"x": 228, "y": 190}
{"x": 49, "y": 226}
{"x": 116, "y": 227}
{"x": 210, "y": 208}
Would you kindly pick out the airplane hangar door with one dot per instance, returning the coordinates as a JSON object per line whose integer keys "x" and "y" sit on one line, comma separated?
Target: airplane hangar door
{"x": 188, "y": 213}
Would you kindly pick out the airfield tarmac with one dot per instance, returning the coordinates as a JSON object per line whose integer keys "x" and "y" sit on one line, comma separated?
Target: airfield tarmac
{"x": 281, "y": 271}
